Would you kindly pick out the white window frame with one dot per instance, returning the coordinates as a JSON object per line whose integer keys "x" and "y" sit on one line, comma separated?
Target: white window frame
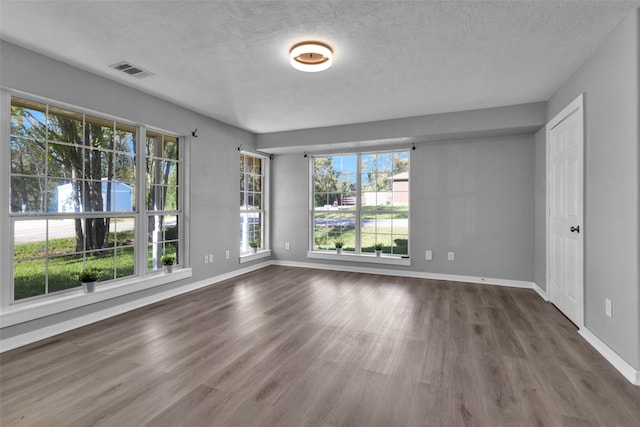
{"x": 14, "y": 312}
{"x": 357, "y": 256}
{"x": 265, "y": 250}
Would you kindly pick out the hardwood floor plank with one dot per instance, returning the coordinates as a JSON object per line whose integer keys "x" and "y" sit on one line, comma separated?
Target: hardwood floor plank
{"x": 287, "y": 346}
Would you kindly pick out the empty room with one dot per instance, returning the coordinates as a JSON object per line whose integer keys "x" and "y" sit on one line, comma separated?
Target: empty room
{"x": 319, "y": 213}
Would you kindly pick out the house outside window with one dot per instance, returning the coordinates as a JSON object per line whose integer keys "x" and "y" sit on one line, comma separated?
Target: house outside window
{"x": 361, "y": 200}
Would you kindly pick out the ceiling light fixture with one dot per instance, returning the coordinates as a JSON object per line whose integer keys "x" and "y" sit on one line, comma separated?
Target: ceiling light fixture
{"x": 311, "y": 57}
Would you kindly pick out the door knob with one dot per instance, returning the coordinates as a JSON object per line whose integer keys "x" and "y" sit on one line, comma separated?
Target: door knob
{"x": 575, "y": 229}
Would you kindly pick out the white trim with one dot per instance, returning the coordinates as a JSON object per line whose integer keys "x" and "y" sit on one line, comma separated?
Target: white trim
{"x": 629, "y": 372}
{"x": 6, "y": 257}
{"x": 248, "y": 257}
{"x": 543, "y": 294}
{"x": 77, "y": 322}
{"x": 575, "y": 105}
{"x": 354, "y": 257}
{"x": 407, "y": 273}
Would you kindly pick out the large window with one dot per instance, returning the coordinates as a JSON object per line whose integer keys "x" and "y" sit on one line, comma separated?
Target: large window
{"x": 74, "y": 181}
{"x": 361, "y": 200}
{"x": 253, "y": 202}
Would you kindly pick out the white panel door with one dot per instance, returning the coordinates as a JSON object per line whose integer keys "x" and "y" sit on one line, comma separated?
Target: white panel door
{"x": 565, "y": 151}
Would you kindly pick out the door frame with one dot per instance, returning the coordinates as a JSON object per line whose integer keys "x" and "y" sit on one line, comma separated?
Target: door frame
{"x": 575, "y": 105}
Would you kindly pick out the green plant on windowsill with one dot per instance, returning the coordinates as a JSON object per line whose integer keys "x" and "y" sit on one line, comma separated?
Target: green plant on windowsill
{"x": 378, "y": 247}
{"x": 339, "y": 244}
{"x": 254, "y": 244}
{"x": 167, "y": 262}
{"x": 89, "y": 277}
{"x": 168, "y": 259}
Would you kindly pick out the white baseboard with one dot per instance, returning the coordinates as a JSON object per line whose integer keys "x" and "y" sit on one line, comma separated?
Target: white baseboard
{"x": 543, "y": 294}
{"x": 407, "y": 273}
{"x": 629, "y": 372}
{"x": 77, "y": 322}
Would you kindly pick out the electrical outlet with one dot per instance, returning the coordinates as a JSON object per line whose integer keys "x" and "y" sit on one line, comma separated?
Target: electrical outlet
{"x": 607, "y": 307}
{"x": 429, "y": 256}
{"x": 226, "y": 254}
{"x": 287, "y": 245}
{"x": 206, "y": 259}
{"x": 210, "y": 257}
{"x": 451, "y": 256}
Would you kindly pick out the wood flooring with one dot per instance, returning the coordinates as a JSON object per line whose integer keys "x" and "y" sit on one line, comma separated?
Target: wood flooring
{"x": 299, "y": 347}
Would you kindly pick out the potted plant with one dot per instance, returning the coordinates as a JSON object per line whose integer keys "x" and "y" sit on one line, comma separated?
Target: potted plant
{"x": 167, "y": 262}
{"x": 339, "y": 244}
{"x": 254, "y": 244}
{"x": 378, "y": 247}
{"x": 88, "y": 277}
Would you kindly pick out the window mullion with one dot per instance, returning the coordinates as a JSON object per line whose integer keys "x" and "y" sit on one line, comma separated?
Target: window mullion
{"x": 358, "y": 249}
{"x": 141, "y": 218}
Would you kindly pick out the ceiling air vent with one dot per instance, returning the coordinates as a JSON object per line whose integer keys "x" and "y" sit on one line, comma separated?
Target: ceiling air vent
{"x": 132, "y": 70}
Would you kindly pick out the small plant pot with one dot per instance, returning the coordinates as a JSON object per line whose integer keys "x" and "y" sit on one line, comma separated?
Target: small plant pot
{"x": 168, "y": 269}
{"x": 88, "y": 287}
{"x": 338, "y": 251}
{"x": 255, "y": 250}
{"x": 378, "y": 252}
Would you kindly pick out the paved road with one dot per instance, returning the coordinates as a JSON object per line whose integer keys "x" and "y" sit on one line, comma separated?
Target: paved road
{"x": 35, "y": 231}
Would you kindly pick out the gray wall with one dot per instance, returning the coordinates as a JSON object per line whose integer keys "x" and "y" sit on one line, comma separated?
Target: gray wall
{"x": 474, "y": 197}
{"x": 610, "y": 82}
{"x": 214, "y": 158}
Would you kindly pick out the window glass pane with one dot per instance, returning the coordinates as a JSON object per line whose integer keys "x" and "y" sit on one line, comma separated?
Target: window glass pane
{"x": 163, "y": 229}
{"x": 154, "y": 171}
{"x": 154, "y": 144}
{"x": 65, "y": 125}
{"x": 122, "y": 230}
{"x": 62, "y": 272}
{"x": 100, "y": 165}
{"x": 171, "y": 198}
{"x": 27, "y": 156}
{"x": 125, "y": 168}
{"x": 250, "y": 229}
{"x": 29, "y": 278}
{"x": 391, "y": 230}
{"x": 99, "y": 132}
{"x": 170, "y": 172}
{"x": 332, "y": 227}
{"x": 102, "y": 261}
{"x": 125, "y": 262}
{"x": 170, "y": 147}
{"x": 63, "y": 195}
{"x": 255, "y": 183}
{"x": 117, "y": 196}
{"x": 27, "y": 194}
{"x": 125, "y": 138}
{"x": 96, "y": 233}
{"x": 28, "y": 119}
{"x": 29, "y": 252}
{"x": 63, "y": 161}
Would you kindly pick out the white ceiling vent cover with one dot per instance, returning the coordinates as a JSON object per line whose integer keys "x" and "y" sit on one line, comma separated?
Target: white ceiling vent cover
{"x": 132, "y": 70}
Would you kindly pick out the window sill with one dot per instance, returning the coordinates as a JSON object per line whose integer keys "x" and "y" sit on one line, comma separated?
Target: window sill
{"x": 384, "y": 259}
{"x": 248, "y": 257}
{"x": 23, "y": 312}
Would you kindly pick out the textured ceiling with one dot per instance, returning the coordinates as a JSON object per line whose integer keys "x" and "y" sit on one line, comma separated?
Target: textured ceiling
{"x": 229, "y": 60}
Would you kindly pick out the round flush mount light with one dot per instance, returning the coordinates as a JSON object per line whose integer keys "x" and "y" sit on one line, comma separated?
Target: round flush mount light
{"x": 311, "y": 57}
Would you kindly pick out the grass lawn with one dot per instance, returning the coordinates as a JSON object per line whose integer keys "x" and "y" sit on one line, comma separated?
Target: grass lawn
{"x": 397, "y": 243}
{"x": 63, "y": 265}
